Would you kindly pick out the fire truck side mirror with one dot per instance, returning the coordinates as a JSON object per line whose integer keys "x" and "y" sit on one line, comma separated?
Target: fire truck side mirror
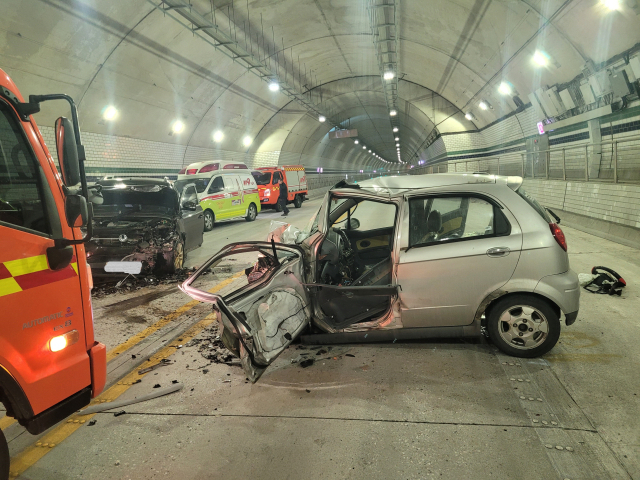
{"x": 67, "y": 152}
{"x": 76, "y": 211}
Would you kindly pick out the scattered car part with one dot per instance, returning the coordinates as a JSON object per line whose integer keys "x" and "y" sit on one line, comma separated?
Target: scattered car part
{"x": 162, "y": 363}
{"x": 605, "y": 281}
{"x": 123, "y": 403}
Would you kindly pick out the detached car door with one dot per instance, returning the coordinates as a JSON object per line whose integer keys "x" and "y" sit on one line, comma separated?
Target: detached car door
{"x": 264, "y": 307}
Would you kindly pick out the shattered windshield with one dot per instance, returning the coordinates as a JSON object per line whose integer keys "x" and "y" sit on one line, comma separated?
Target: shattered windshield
{"x": 131, "y": 199}
{"x": 264, "y": 179}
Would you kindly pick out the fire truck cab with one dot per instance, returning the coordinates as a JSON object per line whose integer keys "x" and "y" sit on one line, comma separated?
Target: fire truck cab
{"x": 293, "y": 176}
{"x": 50, "y": 363}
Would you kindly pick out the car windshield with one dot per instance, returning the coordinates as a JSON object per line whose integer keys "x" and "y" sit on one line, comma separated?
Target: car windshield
{"x": 200, "y": 183}
{"x": 534, "y": 203}
{"x": 132, "y": 199}
{"x": 264, "y": 179}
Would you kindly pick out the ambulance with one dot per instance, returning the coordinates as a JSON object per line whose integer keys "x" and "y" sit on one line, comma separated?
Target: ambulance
{"x": 293, "y": 176}
{"x": 226, "y": 190}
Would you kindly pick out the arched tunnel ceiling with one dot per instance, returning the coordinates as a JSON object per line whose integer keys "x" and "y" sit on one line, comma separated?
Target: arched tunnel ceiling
{"x": 451, "y": 54}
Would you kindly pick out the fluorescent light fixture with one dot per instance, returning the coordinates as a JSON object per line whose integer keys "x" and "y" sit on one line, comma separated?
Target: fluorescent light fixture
{"x": 322, "y": 119}
{"x": 393, "y": 113}
{"x": 110, "y": 113}
{"x": 177, "y": 126}
{"x": 505, "y": 88}
{"x": 540, "y": 58}
{"x": 483, "y": 105}
{"x": 611, "y": 4}
{"x": 274, "y": 86}
{"x": 397, "y": 139}
{"x": 395, "y": 129}
{"x": 246, "y": 141}
{"x": 388, "y": 75}
{"x": 469, "y": 116}
{"x": 218, "y": 136}
{"x": 356, "y": 142}
{"x": 364, "y": 147}
{"x": 397, "y": 144}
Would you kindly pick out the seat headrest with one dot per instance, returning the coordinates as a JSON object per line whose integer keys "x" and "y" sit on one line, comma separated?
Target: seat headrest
{"x": 434, "y": 221}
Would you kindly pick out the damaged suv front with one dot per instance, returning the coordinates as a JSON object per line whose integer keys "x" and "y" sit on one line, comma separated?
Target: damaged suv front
{"x": 138, "y": 221}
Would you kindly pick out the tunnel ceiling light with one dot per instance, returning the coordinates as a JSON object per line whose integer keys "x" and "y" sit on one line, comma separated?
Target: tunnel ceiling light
{"x": 540, "y": 58}
{"x": 274, "y": 86}
{"x": 389, "y": 75}
{"x": 397, "y": 139}
{"x": 469, "y": 116}
{"x": 177, "y": 126}
{"x": 322, "y": 119}
{"x": 356, "y": 142}
{"x": 611, "y": 4}
{"x": 246, "y": 141}
{"x": 364, "y": 147}
{"x": 395, "y": 129}
{"x": 369, "y": 151}
{"x": 484, "y": 105}
{"x": 218, "y": 136}
{"x": 505, "y": 88}
{"x": 393, "y": 112}
{"x": 110, "y": 113}
{"x": 397, "y": 144}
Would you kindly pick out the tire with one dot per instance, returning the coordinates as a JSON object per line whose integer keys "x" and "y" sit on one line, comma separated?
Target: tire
{"x": 297, "y": 201}
{"x": 209, "y": 220}
{"x": 278, "y": 206}
{"x": 537, "y": 326}
{"x": 252, "y": 213}
{"x": 178, "y": 257}
{"x": 4, "y": 457}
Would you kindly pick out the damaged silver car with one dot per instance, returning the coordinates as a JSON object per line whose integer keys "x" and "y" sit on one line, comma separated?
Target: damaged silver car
{"x": 429, "y": 256}
{"x": 143, "y": 226}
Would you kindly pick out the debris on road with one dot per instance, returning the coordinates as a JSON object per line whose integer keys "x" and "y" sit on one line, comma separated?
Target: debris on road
{"x": 117, "y": 414}
{"x": 306, "y": 363}
{"x": 210, "y": 346}
{"x": 101, "y": 407}
{"x": 162, "y": 363}
{"x": 92, "y": 423}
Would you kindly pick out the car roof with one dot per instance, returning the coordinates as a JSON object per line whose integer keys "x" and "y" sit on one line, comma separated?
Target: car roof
{"x": 402, "y": 183}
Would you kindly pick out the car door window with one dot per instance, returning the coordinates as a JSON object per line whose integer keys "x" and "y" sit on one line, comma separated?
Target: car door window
{"x": 435, "y": 220}
{"x": 217, "y": 185}
{"x": 25, "y": 197}
{"x": 276, "y": 177}
{"x": 189, "y": 196}
{"x": 230, "y": 184}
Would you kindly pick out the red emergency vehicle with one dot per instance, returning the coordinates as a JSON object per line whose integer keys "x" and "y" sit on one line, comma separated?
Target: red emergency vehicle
{"x": 50, "y": 363}
{"x": 294, "y": 177}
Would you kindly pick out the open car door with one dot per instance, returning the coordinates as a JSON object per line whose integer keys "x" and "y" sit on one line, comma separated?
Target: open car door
{"x": 264, "y": 307}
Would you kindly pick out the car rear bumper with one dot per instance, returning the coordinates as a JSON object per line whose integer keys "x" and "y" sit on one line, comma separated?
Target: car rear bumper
{"x": 564, "y": 290}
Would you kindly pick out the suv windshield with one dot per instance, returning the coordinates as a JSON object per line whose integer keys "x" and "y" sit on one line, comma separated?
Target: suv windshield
{"x": 534, "y": 203}
{"x": 133, "y": 199}
{"x": 264, "y": 179}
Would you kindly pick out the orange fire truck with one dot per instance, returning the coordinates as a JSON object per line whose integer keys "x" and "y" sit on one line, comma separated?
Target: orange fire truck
{"x": 293, "y": 176}
{"x": 50, "y": 363}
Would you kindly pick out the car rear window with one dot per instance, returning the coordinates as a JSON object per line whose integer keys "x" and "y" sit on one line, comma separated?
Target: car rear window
{"x": 534, "y": 204}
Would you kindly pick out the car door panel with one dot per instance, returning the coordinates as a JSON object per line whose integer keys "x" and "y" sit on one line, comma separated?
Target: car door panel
{"x": 269, "y": 308}
{"x": 192, "y": 221}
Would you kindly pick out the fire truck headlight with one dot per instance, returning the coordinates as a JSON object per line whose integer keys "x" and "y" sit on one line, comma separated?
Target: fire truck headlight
{"x": 267, "y": 192}
{"x": 63, "y": 341}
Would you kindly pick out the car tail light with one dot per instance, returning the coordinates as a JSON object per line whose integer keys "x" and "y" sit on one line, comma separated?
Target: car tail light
{"x": 181, "y": 172}
{"x": 210, "y": 168}
{"x": 192, "y": 171}
{"x": 558, "y": 234}
{"x": 63, "y": 341}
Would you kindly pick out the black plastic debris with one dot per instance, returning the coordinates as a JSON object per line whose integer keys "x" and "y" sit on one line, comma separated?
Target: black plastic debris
{"x": 92, "y": 423}
{"x": 206, "y": 370}
{"x": 321, "y": 352}
{"x": 174, "y": 381}
{"x": 349, "y": 355}
{"x": 157, "y": 385}
{"x": 306, "y": 363}
{"x": 121, "y": 412}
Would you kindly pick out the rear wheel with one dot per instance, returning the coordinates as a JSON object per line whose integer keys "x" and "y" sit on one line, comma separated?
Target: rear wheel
{"x": 297, "y": 202}
{"x": 209, "y": 220}
{"x": 523, "y": 326}
{"x": 252, "y": 213}
{"x": 4, "y": 457}
{"x": 278, "y": 206}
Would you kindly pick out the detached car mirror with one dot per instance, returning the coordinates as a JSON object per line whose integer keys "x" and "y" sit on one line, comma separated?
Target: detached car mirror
{"x": 67, "y": 152}
{"x": 76, "y": 211}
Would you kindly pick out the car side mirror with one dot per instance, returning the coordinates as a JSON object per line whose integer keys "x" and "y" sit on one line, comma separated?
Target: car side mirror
{"x": 354, "y": 224}
{"x": 59, "y": 258}
{"x": 191, "y": 206}
{"x": 67, "y": 152}
{"x": 76, "y": 211}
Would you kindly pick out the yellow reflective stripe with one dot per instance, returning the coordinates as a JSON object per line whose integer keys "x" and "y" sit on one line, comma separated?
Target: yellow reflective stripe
{"x": 75, "y": 267}
{"x": 8, "y": 286}
{"x": 23, "y": 266}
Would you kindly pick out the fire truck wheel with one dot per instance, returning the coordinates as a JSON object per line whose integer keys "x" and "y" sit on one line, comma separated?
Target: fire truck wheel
{"x": 297, "y": 202}
{"x": 278, "y": 207}
{"x": 4, "y": 457}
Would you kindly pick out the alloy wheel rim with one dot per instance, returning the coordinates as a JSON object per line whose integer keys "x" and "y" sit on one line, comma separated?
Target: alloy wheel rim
{"x": 208, "y": 220}
{"x": 252, "y": 212}
{"x": 523, "y": 327}
{"x": 178, "y": 256}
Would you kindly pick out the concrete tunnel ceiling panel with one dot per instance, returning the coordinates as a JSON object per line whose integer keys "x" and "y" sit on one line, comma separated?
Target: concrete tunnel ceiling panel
{"x": 155, "y": 70}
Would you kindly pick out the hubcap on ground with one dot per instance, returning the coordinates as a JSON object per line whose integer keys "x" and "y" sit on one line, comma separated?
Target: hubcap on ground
{"x": 523, "y": 327}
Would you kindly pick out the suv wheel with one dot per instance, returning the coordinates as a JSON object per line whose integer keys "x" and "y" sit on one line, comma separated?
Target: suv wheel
{"x": 209, "y": 220}
{"x": 297, "y": 202}
{"x": 523, "y": 326}
{"x": 4, "y": 457}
